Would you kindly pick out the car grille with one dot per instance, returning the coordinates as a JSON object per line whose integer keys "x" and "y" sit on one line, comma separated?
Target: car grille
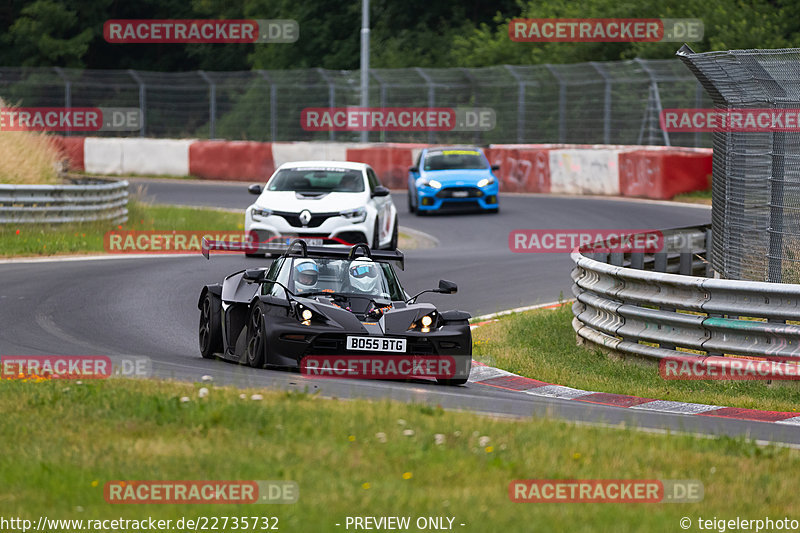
{"x": 459, "y": 192}
{"x": 294, "y": 218}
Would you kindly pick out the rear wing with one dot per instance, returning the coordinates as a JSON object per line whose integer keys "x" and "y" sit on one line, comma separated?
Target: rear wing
{"x": 299, "y": 248}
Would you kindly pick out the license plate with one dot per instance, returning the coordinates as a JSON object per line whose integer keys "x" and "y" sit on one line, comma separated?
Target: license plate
{"x": 460, "y": 194}
{"x": 315, "y": 241}
{"x": 376, "y": 344}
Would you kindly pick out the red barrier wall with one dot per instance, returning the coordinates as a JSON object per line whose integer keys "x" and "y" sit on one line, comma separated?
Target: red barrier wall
{"x": 390, "y": 162}
{"x": 231, "y": 160}
{"x": 662, "y": 174}
{"x": 71, "y": 149}
{"x": 521, "y": 169}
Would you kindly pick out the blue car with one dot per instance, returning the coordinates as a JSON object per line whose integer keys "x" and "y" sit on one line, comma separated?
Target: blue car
{"x": 453, "y": 178}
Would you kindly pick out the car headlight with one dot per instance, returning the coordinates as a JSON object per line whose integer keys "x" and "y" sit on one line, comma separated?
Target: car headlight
{"x": 425, "y": 324}
{"x": 306, "y": 315}
{"x": 433, "y": 184}
{"x": 258, "y": 212}
{"x": 486, "y": 181}
{"x": 355, "y": 215}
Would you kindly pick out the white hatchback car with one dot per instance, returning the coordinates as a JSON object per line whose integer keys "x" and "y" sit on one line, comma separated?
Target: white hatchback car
{"x": 323, "y": 202}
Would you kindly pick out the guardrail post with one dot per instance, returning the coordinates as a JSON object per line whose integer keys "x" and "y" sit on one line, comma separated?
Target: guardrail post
{"x": 709, "y": 251}
{"x": 637, "y": 260}
{"x": 685, "y": 267}
{"x": 615, "y": 259}
{"x": 660, "y": 261}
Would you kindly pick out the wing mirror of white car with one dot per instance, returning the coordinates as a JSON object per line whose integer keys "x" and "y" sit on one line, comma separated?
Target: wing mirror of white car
{"x": 255, "y": 189}
{"x": 380, "y": 190}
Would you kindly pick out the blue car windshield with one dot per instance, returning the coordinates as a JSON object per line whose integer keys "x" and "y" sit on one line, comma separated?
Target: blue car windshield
{"x": 454, "y": 160}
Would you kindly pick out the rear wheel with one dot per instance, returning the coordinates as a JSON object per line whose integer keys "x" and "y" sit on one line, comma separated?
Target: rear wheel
{"x": 256, "y": 338}
{"x": 411, "y": 207}
{"x": 395, "y": 236}
{"x": 376, "y": 236}
{"x": 210, "y": 330}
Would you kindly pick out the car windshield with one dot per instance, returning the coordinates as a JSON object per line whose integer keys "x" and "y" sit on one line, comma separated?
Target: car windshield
{"x": 359, "y": 277}
{"x": 454, "y": 160}
{"x": 317, "y": 179}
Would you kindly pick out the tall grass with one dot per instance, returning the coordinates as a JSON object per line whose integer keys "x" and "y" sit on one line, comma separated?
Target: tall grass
{"x": 27, "y": 158}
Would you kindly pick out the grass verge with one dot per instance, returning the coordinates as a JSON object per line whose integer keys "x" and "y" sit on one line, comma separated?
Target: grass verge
{"x": 42, "y": 240}
{"x": 27, "y": 158}
{"x": 62, "y": 441}
{"x": 540, "y": 344}
{"x": 695, "y": 197}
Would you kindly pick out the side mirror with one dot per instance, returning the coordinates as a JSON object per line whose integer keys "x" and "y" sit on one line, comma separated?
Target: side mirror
{"x": 380, "y": 190}
{"x": 447, "y": 287}
{"x": 254, "y": 275}
{"x": 496, "y": 167}
{"x": 413, "y": 169}
{"x": 255, "y": 189}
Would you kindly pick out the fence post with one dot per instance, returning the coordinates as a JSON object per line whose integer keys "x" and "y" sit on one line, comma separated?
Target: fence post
{"x": 142, "y": 100}
{"x": 382, "y": 93}
{"x": 431, "y": 96}
{"x": 67, "y": 92}
{"x": 520, "y": 103}
{"x": 212, "y": 104}
{"x": 562, "y": 104}
{"x": 273, "y": 99}
{"x": 606, "y": 102}
{"x": 331, "y": 97}
{"x": 656, "y": 97}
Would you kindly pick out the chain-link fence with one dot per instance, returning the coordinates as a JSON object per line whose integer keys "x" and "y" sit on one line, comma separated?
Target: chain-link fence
{"x": 610, "y": 103}
{"x": 756, "y": 181}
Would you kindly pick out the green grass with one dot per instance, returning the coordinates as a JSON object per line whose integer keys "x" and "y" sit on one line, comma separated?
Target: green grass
{"x": 62, "y": 442}
{"x": 40, "y": 240}
{"x": 541, "y": 344}
{"x": 695, "y": 197}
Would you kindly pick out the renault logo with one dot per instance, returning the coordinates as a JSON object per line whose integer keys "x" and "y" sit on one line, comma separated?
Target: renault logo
{"x": 305, "y": 218}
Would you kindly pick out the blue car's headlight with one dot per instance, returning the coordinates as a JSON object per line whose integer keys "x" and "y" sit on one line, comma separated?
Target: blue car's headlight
{"x": 429, "y": 183}
{"x": 256, "y": 212}
{"x": 486, "y": 181}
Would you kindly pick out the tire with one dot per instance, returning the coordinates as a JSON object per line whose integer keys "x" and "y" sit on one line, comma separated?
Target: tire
{"x": 451, "y": 382}
{"x": 411, "y": 208}
{"x": 256, "y": 339}
{"x": 493, "y": 211}
{"x": 395, "y": 236}
{"x": 261, "y": 256}
{"x": 376, "y": 237}
{"x": 210, "y": 329}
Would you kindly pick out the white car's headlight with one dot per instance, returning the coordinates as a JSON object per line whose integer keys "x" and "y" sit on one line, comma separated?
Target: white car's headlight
{"x": 355, "y": 215}
{"x": 257, "y": 212}
{"x": 486, "y": 181}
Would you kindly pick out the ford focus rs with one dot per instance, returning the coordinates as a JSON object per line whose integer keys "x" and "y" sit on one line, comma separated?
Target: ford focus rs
{"x": 313, "y": 302}
{"x": 452, "y": 178}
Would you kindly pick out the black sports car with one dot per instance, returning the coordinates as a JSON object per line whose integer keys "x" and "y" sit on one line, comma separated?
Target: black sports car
{"x": 317, "y": 301}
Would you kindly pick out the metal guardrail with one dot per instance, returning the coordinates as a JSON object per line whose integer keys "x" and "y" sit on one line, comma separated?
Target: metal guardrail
{"x": 84, "y": 200}
{"x": 653, "y": 315}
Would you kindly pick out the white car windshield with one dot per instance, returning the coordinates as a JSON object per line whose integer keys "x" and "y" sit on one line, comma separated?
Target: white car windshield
{"x": 360, "y": 278}
{"x": 317, "y": 180}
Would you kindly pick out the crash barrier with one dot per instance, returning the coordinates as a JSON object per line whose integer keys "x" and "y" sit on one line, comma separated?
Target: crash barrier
{"x": 82, "y": 200}
{"x": 658, "y": 306}
{"x": 636, "y": 171}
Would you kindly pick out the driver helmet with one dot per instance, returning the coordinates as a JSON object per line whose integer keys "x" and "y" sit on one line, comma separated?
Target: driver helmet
{"x": 363, "y": 275}
{"x": 306, "y": 273}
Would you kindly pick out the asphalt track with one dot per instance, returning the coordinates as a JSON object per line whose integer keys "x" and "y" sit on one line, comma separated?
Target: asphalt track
{"x": 147, "y": 306}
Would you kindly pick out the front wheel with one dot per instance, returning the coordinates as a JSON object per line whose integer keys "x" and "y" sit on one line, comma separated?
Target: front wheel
{"x": 256, "y": 339}
{"x": 411, "y": 207}
{"x": 210, "y": 331}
